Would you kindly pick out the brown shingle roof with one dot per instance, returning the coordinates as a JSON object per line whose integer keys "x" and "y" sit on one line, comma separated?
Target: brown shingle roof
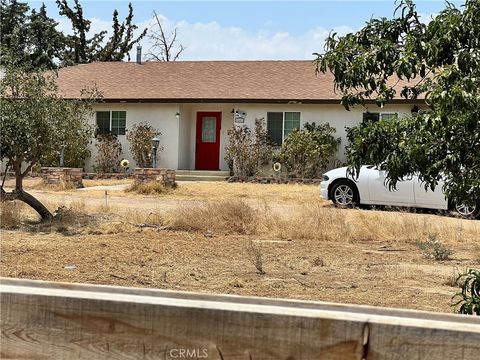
{"x": 260, "y": 81}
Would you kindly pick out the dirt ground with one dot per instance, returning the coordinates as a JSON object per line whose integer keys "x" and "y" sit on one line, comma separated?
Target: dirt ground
{"x": 376, "y": 262}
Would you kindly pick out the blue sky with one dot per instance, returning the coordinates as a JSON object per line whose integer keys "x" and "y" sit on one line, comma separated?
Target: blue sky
{"x": 248, "y": 29}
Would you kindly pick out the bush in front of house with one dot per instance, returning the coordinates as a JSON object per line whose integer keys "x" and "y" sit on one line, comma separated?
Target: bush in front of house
{"x": 246, "y": 152}
{"x": 139, "y": 138}
{"x": 76, "y": 150}
{"x": 108, "y": 153}
{"x": 306, "y": 152}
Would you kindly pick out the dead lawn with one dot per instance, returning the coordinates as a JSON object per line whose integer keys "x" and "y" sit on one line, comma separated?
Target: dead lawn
{"x": 200, "y": 238}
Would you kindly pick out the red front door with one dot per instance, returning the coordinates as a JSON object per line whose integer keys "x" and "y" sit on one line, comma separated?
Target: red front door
{"x": 207, "y": 154}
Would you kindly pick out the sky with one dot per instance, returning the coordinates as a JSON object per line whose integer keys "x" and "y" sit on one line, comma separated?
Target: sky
{"x": 245, "y": 30}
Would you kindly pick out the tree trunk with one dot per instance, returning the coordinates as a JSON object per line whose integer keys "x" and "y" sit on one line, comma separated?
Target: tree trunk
{"x": 35, "y": 204}
{"x": 22, "y": 195}
{"x": 19, "y": 194}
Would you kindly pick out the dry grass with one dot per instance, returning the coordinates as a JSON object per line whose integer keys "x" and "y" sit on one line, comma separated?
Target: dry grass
{"x": 150, "y": 188}
{"x": 199, "y": 238}
{"x": 309, "y": 222}
{"x": 105, "y": 182}
{"x": 62, "y": 186}
{"x": 224, "y": 217}
{"x": 294, "y": 193}
{"x": 11, "y": 214}
{"x": 255, "y": 253}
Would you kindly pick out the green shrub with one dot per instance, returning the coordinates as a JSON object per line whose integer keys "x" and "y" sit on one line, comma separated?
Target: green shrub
{"x": 469, "y": 302}
{"x": 76, "y": 150}
{"x": 434, "y": 249}
{"x": 306, "y": 152}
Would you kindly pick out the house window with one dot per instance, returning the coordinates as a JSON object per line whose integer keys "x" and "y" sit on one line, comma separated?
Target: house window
{"x": 389, "y": 116}
{"x": 119, "y": 122}
{"x": 280, "y": 124}
{"x": 103, "y": 122}
{"x": 113, "y": 122}
{"x": 369, "y": 116}
{"x": 375, "y": 116}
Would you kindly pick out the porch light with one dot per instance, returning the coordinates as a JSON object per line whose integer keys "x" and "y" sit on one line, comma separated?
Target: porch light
{"x": 177, "y": 114}
{"x": 155, "y": 143}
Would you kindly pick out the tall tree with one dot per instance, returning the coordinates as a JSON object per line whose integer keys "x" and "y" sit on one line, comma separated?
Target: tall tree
{"x": 122, "y": 39}
{"x": 82, "y": 49}
{"x": 34, "y": 124}
{"x": 13, "y": 22}
{"x": 45, "y": 41}
{"x": 79, "y": 49}
{"x": 164, "y": 47}
{"x": 28, "y": 40}
{"x": 440, "y": 60}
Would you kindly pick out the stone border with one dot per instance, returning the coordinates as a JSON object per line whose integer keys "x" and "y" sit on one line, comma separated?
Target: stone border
{"x": 164, "y": 176}
{"x": 62, "y": 176}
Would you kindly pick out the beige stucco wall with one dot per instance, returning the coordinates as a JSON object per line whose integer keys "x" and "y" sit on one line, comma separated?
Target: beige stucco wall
{"x": 178, "y": 133}
{"x": 335, "y": 115}
{"x": 161, "y": 116}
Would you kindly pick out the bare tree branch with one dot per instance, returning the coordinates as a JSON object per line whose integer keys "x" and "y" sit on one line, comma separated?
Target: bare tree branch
{"x": 164, "y": 47}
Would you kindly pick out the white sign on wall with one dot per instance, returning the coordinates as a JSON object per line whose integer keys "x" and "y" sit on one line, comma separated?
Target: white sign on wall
{"x": 239, "y": 116}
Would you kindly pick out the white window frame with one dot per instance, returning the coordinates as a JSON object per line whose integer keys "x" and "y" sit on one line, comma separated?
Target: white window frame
{"x": 380, "y": 114}
{"x": 387, "y": 113}
{"x": 110, "y": 121}
{"x": 283, "y": 121}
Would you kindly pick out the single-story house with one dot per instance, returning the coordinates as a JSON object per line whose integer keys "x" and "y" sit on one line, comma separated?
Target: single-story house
{"x": 194, "y": 103}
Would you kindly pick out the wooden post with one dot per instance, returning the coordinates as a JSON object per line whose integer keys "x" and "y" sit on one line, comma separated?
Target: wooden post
{"x": 42, "y": 320}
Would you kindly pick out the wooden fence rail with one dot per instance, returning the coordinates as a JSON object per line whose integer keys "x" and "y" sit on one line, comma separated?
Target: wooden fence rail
{"x": 43, "y": 320}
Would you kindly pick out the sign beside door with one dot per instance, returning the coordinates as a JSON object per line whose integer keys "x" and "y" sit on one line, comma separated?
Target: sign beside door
{"x": 207, "y": 150}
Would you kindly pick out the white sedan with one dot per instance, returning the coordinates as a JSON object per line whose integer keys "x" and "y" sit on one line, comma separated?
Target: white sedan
{"x": 370, "y": 189}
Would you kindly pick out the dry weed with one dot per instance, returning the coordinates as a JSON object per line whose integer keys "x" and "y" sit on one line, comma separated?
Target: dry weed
{"x": 11, "y": 214}
{"x": 226, "y": 217}
{"x": 150, "y": 188}
{"x": 309, "y": 222}
{"x": 255, "y": 254}
{"x": 102, "y": 182}
{"x": 62, "y": 186}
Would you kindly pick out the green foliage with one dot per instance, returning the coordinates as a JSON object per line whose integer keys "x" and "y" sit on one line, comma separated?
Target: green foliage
{"x": 434, "y": 249}
{"x": 468, "y": 299}
{"x": 139, "y": 137}
{"x": 306, "y": 152}
{"x": 76, "y": 151}
{"x": 35, "y": 122}
{"x": 28, "y": 40}
{"x": 81, "y": 49}
{"x": 441, "y": 61}
{"x": 245, "y": 152}
{"x": 32, "y": 41}
{"x": 108, "y": 153}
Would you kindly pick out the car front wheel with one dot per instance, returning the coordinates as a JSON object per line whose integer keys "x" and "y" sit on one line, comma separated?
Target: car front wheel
{"x": 344, "y": 194}
{"x": 468, "y": 211}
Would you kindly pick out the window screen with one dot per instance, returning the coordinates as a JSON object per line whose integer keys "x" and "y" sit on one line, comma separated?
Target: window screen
{"x": 388, "y": 116}
{"x": 369, "y": 116}
{"x": 103, "y": 122}
{"x": 119, "y": 122}
{"x": 275, "y": 127}
{"x": 292, "y": 121}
